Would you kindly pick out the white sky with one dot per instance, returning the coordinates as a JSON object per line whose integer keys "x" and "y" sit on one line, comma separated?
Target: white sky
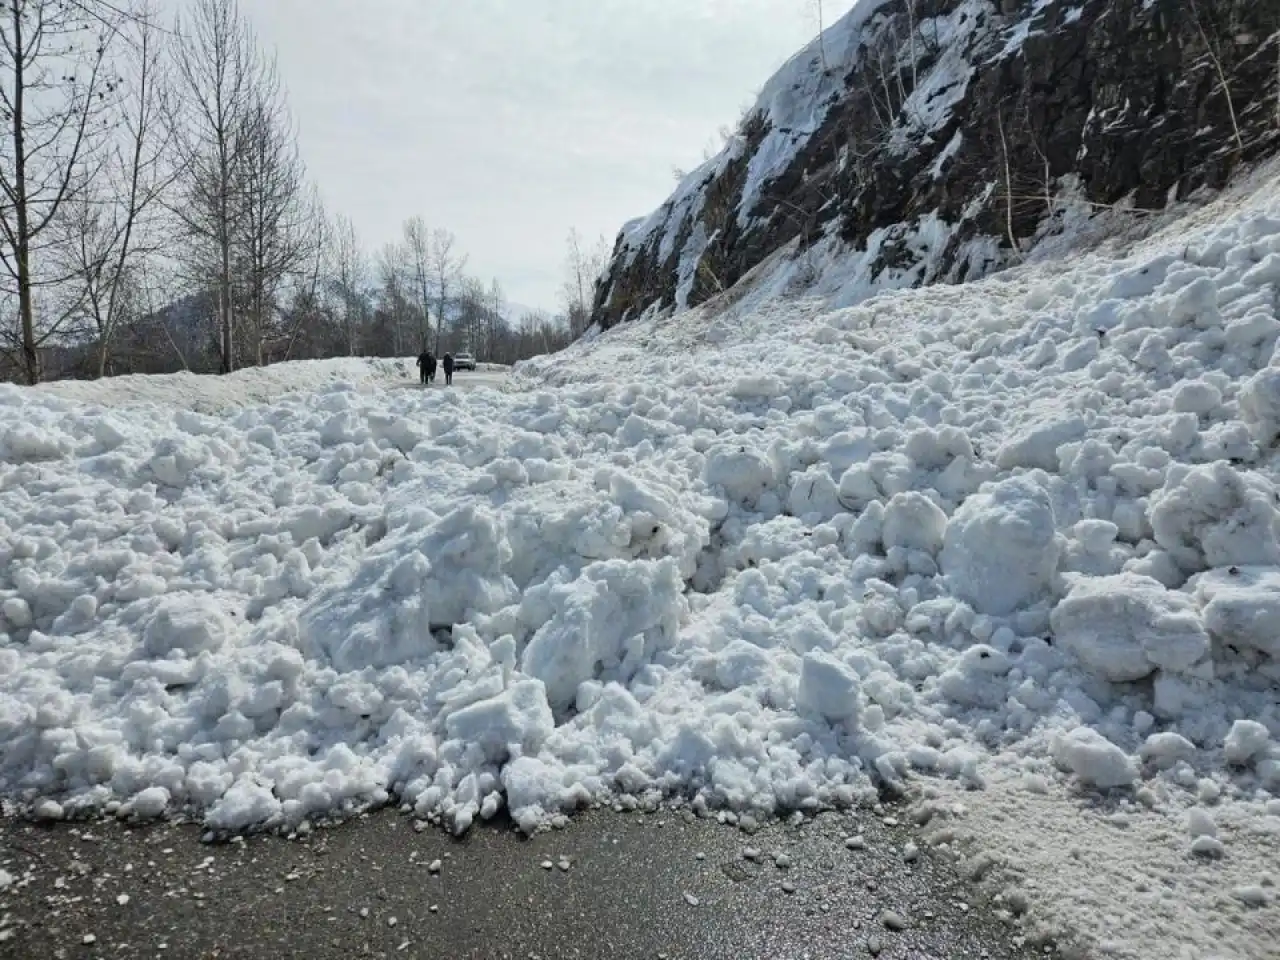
{"x": 510, "y": 121}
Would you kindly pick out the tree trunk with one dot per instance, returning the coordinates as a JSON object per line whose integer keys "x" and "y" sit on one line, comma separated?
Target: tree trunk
{"x": 30, "y": 353}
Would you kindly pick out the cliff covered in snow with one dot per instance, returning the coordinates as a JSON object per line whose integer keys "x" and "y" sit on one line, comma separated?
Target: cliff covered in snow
{"x": 920, "y": 141}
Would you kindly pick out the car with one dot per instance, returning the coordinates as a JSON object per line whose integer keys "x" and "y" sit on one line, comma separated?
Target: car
{"x": 464, "y": 361}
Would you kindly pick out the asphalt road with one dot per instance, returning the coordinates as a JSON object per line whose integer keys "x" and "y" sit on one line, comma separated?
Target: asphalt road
{"x": 609, "y": 885}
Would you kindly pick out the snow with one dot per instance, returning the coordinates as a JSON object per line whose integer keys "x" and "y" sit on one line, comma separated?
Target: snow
{"x": 1001, "y": 547}
{"x": 945, "y": 539}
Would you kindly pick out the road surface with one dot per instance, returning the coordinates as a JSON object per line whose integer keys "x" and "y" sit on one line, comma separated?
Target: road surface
{"x": 462, "y": 380}
{"x": 636, "y": 885}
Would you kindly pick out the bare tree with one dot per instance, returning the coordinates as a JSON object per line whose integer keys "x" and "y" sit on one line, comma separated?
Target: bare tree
{"x": 417, "y": 258}
{"x": 222, "y": 81}
{"x": 112, "y": 221}
{"x": 446, "y": 271}
{"x": 276, "y": 234}
{"x": 395, "y": 296}
{"x": 306, "y": 308}
{"x": 55, "y": 80}
{"x": 350, "y": 278}
{"x": 584, "y": 266}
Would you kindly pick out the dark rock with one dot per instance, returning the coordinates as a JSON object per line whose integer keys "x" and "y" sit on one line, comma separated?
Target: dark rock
{"x": 1107, "y": 101}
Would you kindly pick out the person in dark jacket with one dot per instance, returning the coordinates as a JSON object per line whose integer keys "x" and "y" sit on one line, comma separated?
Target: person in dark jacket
{"x": 424, "y": 361}
{"x": 448, "y": 369}
{"x": 431, "y": 367}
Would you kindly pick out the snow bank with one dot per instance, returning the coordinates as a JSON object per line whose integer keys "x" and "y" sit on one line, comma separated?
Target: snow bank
{"x": 247, "y": 387}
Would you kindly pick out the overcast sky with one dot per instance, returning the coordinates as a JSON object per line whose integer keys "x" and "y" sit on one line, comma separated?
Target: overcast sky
{"x": 510, "y": 121}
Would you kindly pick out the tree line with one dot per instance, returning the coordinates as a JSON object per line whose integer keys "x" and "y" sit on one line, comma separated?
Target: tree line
{"x": 156, "y": 214}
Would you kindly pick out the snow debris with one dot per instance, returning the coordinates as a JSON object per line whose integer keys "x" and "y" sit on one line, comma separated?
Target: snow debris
{"x": 1125, "y": 627}
{"x": 6, "y": 880}
{"x": 1246, "y": 740}
{"x": 1001, "y": 547}
{"x": 690, "y": 899}
{"x": 1094, "y": 759}
{"x": 949, "y": 541}
{"x": 1242, "y": 606}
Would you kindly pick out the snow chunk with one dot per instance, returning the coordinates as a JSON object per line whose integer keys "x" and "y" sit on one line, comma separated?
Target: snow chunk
{"x": 828, "y": 687}
{"x": 1260, "y": 406}
{"x": 1001, "y": 550}
{"x": 1038, "y": 447}
{"x": 519, "y": 718}
{"x": 1126, "y": 626}
{"x": 914, "y": 522}
{"x": 1094, "y": 759}
{"x": 1196, "y": 396}
{"x": 1215, "y": 516}
{"x": 1242, "y": 606}
{"x": 612, "y": 616}
{"x": 1200, "y": 823}
{"x": 1167, "y": 749}
{"x": 151, "y": 802}
{"x": 743, "y": 474}
{"x": 190, "y": 624}
{"x": 1246, "y": 740}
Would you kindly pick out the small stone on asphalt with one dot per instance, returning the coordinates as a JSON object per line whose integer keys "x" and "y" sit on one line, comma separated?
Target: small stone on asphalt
{"x": 690, "y": 899}
{"x": 893, "y": 921}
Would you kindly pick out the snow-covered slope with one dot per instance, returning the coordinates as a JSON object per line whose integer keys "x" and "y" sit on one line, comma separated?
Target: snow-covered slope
{"x": 1011, "y": 548}
{"x": 934, "y": 140}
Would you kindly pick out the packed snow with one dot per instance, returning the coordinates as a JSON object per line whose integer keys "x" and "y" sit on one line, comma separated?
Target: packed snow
{"x": 1011, "y": 547}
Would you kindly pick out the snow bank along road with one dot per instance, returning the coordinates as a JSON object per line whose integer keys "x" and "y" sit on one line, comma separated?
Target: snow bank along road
{"x": 1013, "y": 547}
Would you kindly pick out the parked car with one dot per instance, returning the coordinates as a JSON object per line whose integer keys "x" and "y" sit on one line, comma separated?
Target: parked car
{"x": 464, "y": 361}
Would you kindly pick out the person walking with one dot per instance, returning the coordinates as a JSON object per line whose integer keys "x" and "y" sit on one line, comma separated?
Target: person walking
{"x": 431, "y": 367}
{"x": 448, "y": 369}
{"x": 424, "y": 360}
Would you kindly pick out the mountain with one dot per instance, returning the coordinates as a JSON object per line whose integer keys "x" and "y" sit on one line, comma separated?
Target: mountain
{"x": 923, "y": 141}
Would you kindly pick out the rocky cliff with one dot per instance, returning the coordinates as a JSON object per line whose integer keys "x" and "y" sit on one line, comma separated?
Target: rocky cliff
{"x": 920, "y": 141}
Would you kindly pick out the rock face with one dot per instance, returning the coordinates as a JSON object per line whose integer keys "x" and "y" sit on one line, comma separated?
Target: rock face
{"x": 932, "y": 140}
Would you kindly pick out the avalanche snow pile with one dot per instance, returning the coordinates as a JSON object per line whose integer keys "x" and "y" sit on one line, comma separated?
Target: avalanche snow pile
{"x": 1020, "y": 535}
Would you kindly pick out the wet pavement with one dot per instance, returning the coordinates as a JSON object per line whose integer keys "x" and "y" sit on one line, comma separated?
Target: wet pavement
{"x": 658, "y": 885}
